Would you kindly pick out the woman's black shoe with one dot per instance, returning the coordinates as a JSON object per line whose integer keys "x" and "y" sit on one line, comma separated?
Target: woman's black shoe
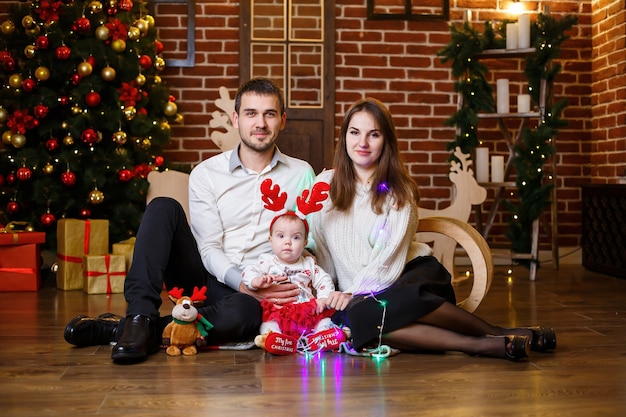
{"x": 90, "y": 331}
{"x": 516, "y": 347}
{"x": 544, "y": 339}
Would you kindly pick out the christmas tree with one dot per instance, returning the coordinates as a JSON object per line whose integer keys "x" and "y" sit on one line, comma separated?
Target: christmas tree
{"x": 84, "y": 115}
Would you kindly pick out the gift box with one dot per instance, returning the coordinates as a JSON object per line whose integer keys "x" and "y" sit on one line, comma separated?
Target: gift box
{"x": 104, "y": 274}
{"x": 126, "y": 248}
{"x": 20, "y": 261}
{"x": 75, "y": 239}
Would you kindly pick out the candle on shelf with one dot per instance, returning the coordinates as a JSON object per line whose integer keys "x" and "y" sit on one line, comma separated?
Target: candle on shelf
{"x": 497, "y": 168}
{"x": 502, "y": 95}
{"x": 511, "y": 36}
{"x": 523, "y": 31}
{"x": 482, "y": 164}
{"x": 467, "y": 16}
{"x": 523, "y": 103}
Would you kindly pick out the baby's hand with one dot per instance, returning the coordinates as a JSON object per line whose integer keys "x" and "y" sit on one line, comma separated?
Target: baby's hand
{"x": 321, "y": 304}
{"x": 279, "y": 278}
{"x": 262, "y": 282}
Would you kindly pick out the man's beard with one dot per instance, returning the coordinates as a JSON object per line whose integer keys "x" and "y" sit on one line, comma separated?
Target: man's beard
{"x": 258, "y": 146}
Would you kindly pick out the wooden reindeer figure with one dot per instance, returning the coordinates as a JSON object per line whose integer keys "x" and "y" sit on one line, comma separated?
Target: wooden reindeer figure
{"x": 467, "y": 193}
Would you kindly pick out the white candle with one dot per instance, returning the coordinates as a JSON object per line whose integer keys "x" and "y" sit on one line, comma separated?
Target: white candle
{"x": 502, "y": 95}
{"x": 523, "y": 31}
{"x": 497, "y": 168}
{"x": 482, "y": 164}
{"x": 511, "y": 36}
{"x": 467, "y": 16}
{"x": 523, "y": 103}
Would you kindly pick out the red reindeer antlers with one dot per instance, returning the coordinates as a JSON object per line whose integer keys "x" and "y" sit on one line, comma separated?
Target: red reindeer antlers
{"x": 198, "y": 296}
{"x": 318, "y": 194}
{"x": 275, "y": 200}
{"x": 272, "y": 197}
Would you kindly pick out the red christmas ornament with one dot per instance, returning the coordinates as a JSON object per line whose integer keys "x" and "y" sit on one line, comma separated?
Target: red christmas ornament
{"x": 13, "y": 207}
{"x": 89, "y": 136}
{"x": 158, "y": 160}
{"x": 47, "y": 219}
{"x": 42, "y": 42}
{"x": 64, "y": 100}
{"x": 172, "y": 98}
{"x": 126, "y": 5}
{"x": 85, "y": 213}
{"x": 92, "y": 99}
{"x": 68, "y": 178}
{"x": 82, "y": 25}
{"x": 159, "y": 46}
{"x": 24, "y": 173}
{"x": 1, "y": 180}
{"x": 125, "y": 175}
{"x": 40, "y": 111}
{"x": 10, "y": 178}
{"x": 9, "y": 64}
{"x": 52, "y": 144}
{"x": 63, "y": 53}
{"x": 145, "y": 61}
{"x": 75, "y": 78}
{"x": 92, "y": 60}
{"x": 29, "y": 85}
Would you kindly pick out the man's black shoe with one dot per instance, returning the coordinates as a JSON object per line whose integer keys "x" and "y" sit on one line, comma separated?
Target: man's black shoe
{"x": 89, "y": 331}
{"x": 137, "y": 341}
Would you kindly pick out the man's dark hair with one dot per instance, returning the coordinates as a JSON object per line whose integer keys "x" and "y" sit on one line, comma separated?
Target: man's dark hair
{"x": 260, "y": 86}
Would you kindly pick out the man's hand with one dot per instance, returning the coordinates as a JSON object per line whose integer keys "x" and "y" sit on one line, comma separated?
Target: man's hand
{"x": 278, "y": 294}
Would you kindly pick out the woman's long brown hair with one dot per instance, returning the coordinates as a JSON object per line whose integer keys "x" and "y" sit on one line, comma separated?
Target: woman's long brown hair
{"x": 391, "y": 175}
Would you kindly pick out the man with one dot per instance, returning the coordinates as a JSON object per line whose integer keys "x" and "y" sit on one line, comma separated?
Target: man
{"x": 229, "y": 228}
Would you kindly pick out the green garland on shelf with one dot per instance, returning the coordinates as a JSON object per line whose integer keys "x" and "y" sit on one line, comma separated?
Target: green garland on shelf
{"x": 533, "y": 185}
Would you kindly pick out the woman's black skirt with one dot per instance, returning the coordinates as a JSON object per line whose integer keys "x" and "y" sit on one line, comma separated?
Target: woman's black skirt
{"x": 424, "y": 285}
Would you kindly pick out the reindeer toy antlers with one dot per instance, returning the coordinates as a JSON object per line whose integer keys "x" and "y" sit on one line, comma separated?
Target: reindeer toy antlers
{"x": 275, "y": 200}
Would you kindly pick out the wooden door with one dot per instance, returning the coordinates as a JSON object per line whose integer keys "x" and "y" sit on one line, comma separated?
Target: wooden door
{"x": 292, "y": 42}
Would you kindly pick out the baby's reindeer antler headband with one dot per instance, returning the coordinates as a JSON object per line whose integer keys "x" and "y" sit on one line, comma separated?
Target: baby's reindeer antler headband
{"x": 275, "y": 200}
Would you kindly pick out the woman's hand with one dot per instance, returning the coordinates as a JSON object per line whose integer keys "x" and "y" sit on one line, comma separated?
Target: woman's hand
{"x": 338, "y": 300}
{"x": 278, "y": 294}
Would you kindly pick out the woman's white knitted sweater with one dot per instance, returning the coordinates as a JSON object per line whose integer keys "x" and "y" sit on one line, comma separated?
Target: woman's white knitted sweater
{"x": 365, "y": 252}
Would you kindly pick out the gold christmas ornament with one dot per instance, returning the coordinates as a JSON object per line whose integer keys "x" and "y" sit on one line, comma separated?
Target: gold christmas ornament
{"x": 30, "y": 51}
{"x": 65, "y": 125}
{"x": 134, "y": 33}
{"x": 28, "y": 22}
{"x": 146, "y": 143}
{"x": 15, "y": 80}
{"x": 142, "y": 25}
{"x": 96, "y": 196}
{"x": 102, "y": 33}
{"x": 118, "y": 45}
{"x": 42, "y": 73}
{"x": 84, "y": 69}
{"x": 18, "y": 140}
{"x": 34, "y": 31}
{"x": 130, "y": 112}
{"x": 108, "y": 73}
{"x": 3, "y": 114}
{"x": 6, "y": 137}
{"x": 95, "y": 7}
{"x": 148, "y": 18}
{"x": 76, "y": 110}
{"x": 140, "y": 80}
{"x": 7, "y": 27}
{"x": 48, "y": 168}
{"x": 120, "y": 137}
{"x": 179, "y": 119}
{"x": 159, "y": 63}
{"x": 157, "y": 79}
{"x": 68, "y": 140}
{"x": 170, "y": 109}
{"x": 164, "y": 125}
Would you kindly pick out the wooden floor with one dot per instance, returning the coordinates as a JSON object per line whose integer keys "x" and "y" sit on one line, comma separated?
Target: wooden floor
{"x": 41, "y": 375}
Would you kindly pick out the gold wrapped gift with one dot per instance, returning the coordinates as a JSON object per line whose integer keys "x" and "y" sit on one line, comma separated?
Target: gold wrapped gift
{"x": 104, "y": 274}
{"x": 125, "y": 247}
{"x": 75, "y": 239}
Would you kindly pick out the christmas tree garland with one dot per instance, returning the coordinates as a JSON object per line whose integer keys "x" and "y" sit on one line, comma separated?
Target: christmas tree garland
{"x": 533, "y": 185}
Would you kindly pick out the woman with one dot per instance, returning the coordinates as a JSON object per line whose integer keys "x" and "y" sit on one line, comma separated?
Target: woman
{"x": 393, "y": 291}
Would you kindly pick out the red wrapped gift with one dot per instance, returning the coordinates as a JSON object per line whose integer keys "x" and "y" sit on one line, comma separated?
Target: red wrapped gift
{"x": 20, "y": 261}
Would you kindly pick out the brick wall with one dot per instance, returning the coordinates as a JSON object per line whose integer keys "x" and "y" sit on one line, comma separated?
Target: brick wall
{"x": 397, "y": 62}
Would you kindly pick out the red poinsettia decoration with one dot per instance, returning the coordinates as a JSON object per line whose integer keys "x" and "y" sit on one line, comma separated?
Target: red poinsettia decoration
{"x": 49, "y": 11}
{"x": 20, "y": 121}
{"x": 129, "y": 94}
{"x": 117, "y": 29}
